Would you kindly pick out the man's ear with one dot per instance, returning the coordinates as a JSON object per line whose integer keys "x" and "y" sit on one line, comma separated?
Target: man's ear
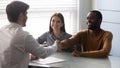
{"x": 20, "y": 15}
{"x": 99, "y": 20}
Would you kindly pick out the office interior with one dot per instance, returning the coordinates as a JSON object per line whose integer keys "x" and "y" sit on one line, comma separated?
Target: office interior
{"x": 109, "y": 8}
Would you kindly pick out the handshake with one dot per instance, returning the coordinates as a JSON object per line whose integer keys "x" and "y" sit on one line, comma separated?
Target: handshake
{"x": 59, "y": 45}
{"x": 76, "y": 50}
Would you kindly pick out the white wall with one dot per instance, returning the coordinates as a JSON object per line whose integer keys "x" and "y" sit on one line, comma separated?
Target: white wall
{"x": 84, "y": 8}
{"x": 111, "y": 20}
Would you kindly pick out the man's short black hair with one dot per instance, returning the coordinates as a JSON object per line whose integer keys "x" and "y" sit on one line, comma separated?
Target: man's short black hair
{"x": 98, "y": 13}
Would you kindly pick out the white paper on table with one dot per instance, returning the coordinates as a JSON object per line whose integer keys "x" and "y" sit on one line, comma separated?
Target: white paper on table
{"x": 47, "y": 60}
{"x": 38, "y": 65}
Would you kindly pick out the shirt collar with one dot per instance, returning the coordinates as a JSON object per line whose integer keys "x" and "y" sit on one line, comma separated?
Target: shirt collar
{"x": 15, "y": 25}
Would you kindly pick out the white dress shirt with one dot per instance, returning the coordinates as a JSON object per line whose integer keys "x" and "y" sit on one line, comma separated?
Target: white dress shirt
{"x": 15, "y": 46}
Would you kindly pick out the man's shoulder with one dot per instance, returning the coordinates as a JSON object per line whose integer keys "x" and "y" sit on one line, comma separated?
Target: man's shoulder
{"x": 22, "y": 34}
{"x": 108, "y": 32}
{"x": 83, "y": 31}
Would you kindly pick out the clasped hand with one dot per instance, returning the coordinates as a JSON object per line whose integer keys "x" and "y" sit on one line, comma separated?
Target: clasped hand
{"x": 58, "y": 43}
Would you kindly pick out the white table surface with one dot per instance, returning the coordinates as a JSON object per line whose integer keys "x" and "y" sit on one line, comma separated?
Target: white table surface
{"x": 84, "y": 62}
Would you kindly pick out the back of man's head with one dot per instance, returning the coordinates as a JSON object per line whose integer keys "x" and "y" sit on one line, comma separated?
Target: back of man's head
{"x": 14, "y": 9}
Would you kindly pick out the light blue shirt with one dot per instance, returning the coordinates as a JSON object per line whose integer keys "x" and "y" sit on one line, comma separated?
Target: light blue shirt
{"x": 16, "y": 44}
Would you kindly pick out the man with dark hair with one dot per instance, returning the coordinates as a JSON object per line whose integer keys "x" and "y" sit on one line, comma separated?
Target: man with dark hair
{"x": 16, "y": 44}
{"x": 95, "y": 42}
{"x": 15, "y": 9}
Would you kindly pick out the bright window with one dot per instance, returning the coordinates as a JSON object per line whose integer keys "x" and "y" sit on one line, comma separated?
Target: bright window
{"x": 41, "y": 11}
